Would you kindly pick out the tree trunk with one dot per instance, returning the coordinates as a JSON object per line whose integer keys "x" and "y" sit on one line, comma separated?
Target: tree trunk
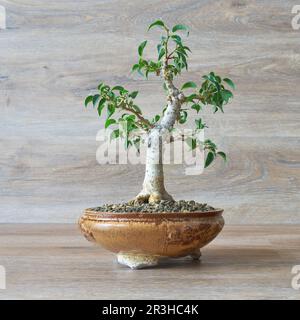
{"x": 153, "y": 186}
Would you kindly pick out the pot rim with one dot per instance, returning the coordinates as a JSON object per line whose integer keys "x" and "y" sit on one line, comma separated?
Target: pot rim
{"x": 92, "y": 215}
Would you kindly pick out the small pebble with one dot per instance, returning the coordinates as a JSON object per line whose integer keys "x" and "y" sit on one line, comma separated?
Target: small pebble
{"x": 164, "y": 206}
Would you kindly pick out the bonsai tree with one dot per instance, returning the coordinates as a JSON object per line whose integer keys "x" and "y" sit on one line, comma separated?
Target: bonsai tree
{"x": 172, "y": 56}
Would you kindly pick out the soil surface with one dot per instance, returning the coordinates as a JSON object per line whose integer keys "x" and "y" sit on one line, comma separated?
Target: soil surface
{"x": 162, "y": 206}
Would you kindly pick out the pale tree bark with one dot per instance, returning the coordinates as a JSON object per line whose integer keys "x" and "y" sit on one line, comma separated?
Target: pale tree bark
{"x": 153, "y": 185}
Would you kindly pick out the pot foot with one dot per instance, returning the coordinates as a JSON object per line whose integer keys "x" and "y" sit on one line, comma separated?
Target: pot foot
{"x": 196, "y": 254}
{"x": 137, "y": 261}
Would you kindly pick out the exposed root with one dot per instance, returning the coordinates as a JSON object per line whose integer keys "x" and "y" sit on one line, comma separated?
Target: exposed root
{"x": 139, "y": 199}
{"x": 153, "y": 197}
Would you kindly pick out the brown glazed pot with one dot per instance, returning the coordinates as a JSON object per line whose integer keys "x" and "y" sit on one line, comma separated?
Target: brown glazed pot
{"x": 142, "y": 239}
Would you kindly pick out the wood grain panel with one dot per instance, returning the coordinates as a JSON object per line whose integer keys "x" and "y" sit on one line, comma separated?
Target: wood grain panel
{"x": 54, "y": 53}
{"x": 54, "y": 261}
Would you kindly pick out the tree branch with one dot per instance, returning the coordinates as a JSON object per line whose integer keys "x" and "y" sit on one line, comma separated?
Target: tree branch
{"x": 139, "y": 116}
{"x": 175, "y": 98}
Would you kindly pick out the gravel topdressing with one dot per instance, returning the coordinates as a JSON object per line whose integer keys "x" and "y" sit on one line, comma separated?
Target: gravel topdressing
{"x": 162, "y": 206}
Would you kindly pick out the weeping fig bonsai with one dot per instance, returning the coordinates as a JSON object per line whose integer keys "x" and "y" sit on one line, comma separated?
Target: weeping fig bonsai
{"x": 153, "y": 226}
{"x": 172, "y": 60}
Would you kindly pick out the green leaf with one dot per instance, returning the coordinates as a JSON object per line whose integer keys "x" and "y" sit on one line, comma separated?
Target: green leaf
{"x": 109, "y": 122}
{"x": 218, "y": 79}
{"x": 191, "y": 97}
{"x": 189, "y": 84}
{"x": 133, "y": 94}
{"x": 187, "y": 48}
{"x": 182, "y": 59}
{"x": 128, "y": 143}
{"x": 183, "y": 117}
{"x": 199, "y": 124}
{"x": 95, "y": 99}
{"x": 88, "y": 100}
{"x": 129, "y": 117}
{"x": 111, "y": 110}
{"x": 104, "y": 88}
{"x": 177, "y": 39}
{"x": 101, "y": 106}
{"x": 115, "y": 134}
{"x": 142, "y": 47}
{"x": 229, "y": 82}
{"x": 191, "y": 142}
{"x": 164, "y": 110}
{"x": 211, "y": 77}
{"x": 223, "y": 155}
{"x": 100, "y": 85}
{"x": 159, "y": 46}
{"x": 161, "y": 53}
{"x": 210, "y": 145}
{"x": 158, "y": 23}
{"x": 226, "y": 95}
{"x": 181, "y": 50}
{"x": 196, "y": 107}
{"x": 217, "y": 99}
{"x": 118, "y": 88}
{"x": 209, "y": 159}
{"x": 135, "y": 67}
{"x": 155, "y": 119}
{"x": 111, "y": 95}
{"x": 180, "y": 27}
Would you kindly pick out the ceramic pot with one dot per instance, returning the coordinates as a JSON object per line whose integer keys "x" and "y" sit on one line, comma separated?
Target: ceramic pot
{"x": 143, "y": 239}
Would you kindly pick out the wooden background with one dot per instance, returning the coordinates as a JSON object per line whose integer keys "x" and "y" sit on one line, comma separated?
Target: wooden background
{"x": 53, "y": 53}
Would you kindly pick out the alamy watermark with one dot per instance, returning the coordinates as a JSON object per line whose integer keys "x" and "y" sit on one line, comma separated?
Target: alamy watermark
{"x": 296, "y": 278}
{"x": 179, "y": 147}
{"x": 296, "y": 18}
{"x": 2, "y": 278}
{"x": 2, "y": 18}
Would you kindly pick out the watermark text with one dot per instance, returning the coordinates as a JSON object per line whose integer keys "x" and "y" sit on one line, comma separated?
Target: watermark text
{"x": 296, "y": 18}
{"x": 296, "y": 278}
{"x": 178, "y": 147}
{"x": 2, "y": 278}
{"x": 2, "y": 18}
